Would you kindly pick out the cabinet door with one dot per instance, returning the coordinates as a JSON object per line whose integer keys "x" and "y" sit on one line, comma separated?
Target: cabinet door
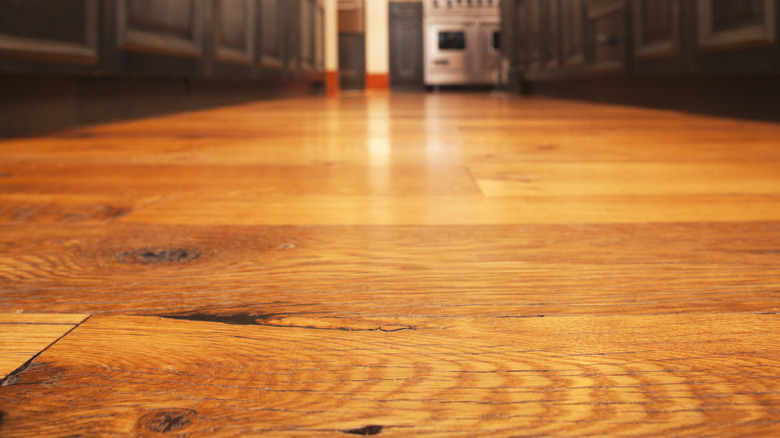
{"x": 291, "y": 11}
{"x": 573, "y": 32}
{"x": 514, "y": 31}
{"x": 319, "y": 32}
{"x": 170, "y": 27}
{"x": 731, "y": 24}
{"x": 549, "y": 34}
{"x": 161, "y": 37}
{"x": 49, "y": 32}
{"x": 234, "y": 30}
{"x": 306, "y": 33}
{"x": 406, "y": 43}
{"x": 608, "y": 35}
{"x": 656, "y": 28}
{"x": 352, "y": 61}
{"x": 533, "y": 34}
{"x": 271, "y": 34}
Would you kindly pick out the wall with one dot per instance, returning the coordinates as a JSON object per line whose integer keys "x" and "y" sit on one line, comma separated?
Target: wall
{"x": 377, "y": 45}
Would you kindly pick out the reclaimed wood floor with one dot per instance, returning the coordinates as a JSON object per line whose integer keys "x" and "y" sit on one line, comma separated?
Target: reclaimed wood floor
{"x": 437, "y": 265}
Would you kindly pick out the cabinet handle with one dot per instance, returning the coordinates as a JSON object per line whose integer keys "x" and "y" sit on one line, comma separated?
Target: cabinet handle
{"x": 607, "y": 40}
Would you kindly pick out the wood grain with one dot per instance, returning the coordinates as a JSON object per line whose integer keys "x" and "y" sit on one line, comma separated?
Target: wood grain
{"x": 418, "y": 271}
{"x": 662, "y": 375}
{"x": 240, "y": 209}
{"x": 594, "y": 179}
{"x": 88, "y": 209}
{"x": 22, "y": 336}
{"x": 245, "y": 180}
{"x": 418, "y": 264}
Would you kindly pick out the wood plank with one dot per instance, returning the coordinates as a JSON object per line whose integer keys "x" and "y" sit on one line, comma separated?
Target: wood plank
{"x": 237, "y": 209}
{"x": 400, "y": 271}
{"x": 413, "y": 129}
{"x": 151, "y": 180}
{"x": 42, "y": 318}
{"x": 599, "y": 179}
{"x": 23, "y": 335}
{"x": 665, "y": 375}
{"x": 17, "y": 207}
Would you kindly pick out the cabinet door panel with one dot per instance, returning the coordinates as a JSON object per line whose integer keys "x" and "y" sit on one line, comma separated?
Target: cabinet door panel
{"x": 731, "y": 24}
{"x": 171, "y": 27}
{"x": 59, "y": 31}
{"x": 319, "y": 57}
{"x": 234, "y": 30}
{"x": 609, "y": 42}
{"x": 573, "y": 31}
{"x": 271, "y": 39}
{"x": 550, "y": 31}
{"x": 518, "y": 30}
{"x": 306, "y": 33}
{"x": 352, "y": 61}
{"x": 656, "y": 28}
{"x": 533, "y": 34}
{"x": 406, "y": 43}
{"x": 292, "y": 35}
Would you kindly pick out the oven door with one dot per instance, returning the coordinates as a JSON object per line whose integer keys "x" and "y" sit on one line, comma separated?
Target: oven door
{"x": 449, "y": 45}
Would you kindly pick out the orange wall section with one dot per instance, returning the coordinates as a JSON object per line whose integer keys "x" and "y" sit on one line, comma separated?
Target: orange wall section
{"x": 377, "y": 81}
{"x": 332, "y": 84}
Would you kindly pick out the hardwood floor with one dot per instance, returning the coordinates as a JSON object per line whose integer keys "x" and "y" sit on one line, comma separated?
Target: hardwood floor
{"x": 440, "y": 265}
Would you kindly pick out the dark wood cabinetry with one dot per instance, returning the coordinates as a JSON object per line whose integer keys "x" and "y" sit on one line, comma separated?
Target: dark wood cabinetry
{"x": 547, "y": 38}
{"x": 234, "y": 31}
{"x": 406, "y": 45}
{"x": 713, "y": 56}
{"x": 549, "y": 35}
{"x": 86, "y": 61}
{"x": 656, "y": 28}
{"x": 271, "y": 33}
{"x": 201, "y": 38}
{"x": 573, "y": 32}
{"x": 728, "y": 24}
{"x": 173, "y": 27}
{"x": 291, "y": 11}
{"x": 609, "y": 38}
{"x": 46, "y": 32}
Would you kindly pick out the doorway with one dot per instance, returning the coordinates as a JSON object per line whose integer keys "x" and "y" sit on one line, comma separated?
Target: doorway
{"x": 352, "y": 45}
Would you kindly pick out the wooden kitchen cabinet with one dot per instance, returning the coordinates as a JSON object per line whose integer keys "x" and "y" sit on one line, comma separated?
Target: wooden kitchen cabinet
{"x": 550, "y": 34}
{"x": 37, "y": 35}
{"x": 608, "y": 36}
{"x": 573, "y": 32}
{"x": 634, "y": 38}
{"x": 87, "y": 61}
{"x": 659, "y": 45}
{"x": 406, "y": 45}
{"x": 737, "y": 37}
{"x": 169, "y": 38}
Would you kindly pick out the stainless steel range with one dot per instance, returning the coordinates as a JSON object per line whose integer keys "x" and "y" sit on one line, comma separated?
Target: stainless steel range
{"x": 462, "y": 42}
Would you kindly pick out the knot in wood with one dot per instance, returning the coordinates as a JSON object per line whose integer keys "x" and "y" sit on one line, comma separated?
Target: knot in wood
{"x": 167, "y": 420}
{"x": 372, "y": 429}
{"x": 153, "y": 256}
